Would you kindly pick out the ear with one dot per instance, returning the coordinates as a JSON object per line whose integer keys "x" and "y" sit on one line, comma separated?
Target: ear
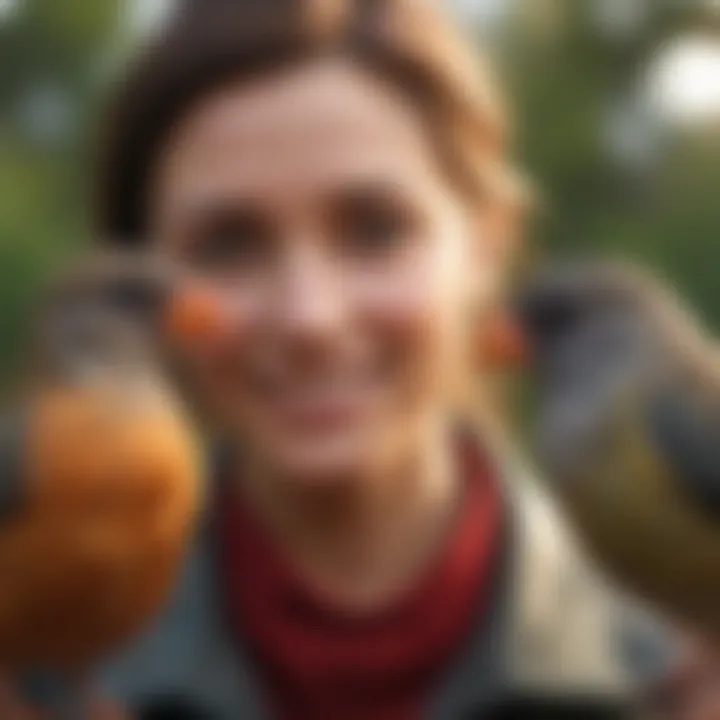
{"x": 497, "y": 235}
{"x": 502, "y": 226}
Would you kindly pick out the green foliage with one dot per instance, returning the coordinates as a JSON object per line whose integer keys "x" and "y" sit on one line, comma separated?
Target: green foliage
{"x": 563, "y": 76}
{"x": 49, "y": 54}
{"x": 667, "y": 214}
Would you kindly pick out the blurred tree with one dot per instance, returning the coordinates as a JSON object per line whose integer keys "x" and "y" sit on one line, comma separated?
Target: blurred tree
{"x": 49, "y": 60}
{"x": 611, "y": 174}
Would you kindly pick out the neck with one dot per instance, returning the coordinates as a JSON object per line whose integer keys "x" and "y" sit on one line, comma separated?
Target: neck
{"x": 361, "y": 540}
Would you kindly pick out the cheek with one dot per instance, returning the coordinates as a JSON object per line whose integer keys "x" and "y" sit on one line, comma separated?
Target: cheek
{"x": 419, "y": 309}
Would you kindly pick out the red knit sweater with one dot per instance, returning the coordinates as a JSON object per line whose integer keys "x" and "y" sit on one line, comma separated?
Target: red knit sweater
{"x": 318, "y": 663}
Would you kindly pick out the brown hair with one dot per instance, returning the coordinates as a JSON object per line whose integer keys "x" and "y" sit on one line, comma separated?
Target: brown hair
{"x": 209, "y": 42}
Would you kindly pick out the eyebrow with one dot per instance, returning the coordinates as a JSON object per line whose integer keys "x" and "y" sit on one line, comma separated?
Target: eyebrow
{"x": 369, "y": 190}
{"x": 351, "y": 186}
{"x": 208, "y": 204}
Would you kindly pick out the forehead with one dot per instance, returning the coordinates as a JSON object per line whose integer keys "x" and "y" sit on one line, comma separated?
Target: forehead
{"x": 320, "y": 123}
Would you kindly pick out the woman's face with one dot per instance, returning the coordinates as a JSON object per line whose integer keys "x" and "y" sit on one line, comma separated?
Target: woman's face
{"x": 313, "y": 205}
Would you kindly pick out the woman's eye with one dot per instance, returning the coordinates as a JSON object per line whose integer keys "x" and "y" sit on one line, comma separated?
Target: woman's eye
{"x": 230, "y": 244}
{"x": 374, "y": 230}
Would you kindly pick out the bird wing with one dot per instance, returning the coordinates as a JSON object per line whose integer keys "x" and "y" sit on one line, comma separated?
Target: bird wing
{"x": 687, "y": 433}
{"x": 13, "y": 487}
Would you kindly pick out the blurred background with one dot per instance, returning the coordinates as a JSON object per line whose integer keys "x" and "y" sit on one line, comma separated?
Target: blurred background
{"x": 617, "y": 104}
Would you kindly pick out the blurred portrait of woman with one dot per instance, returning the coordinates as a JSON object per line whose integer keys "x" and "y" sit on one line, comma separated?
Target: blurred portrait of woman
{"x": 339, "y": 177}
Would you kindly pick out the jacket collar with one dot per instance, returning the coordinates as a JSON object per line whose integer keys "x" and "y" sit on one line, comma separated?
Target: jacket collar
{"x": 552, "y": 631}
{"x": 549, "y": 631}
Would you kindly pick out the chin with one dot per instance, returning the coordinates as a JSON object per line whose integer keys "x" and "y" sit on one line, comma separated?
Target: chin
{"x": 322, "y": 463}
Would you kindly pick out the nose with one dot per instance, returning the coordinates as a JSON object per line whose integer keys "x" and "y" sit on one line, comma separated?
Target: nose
{"x": 310, "y": 303}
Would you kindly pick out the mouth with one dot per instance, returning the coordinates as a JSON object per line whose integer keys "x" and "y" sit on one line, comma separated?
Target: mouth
{"x": 320, "y": 403}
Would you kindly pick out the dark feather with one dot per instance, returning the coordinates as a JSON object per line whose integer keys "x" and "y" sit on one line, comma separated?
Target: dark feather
{"x": 690, "y": 441}
{"x": 13, "y": 430}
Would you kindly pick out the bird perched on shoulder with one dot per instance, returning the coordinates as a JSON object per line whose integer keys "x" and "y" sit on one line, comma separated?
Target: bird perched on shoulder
{"x": 629, "y": 429}
{"x": 100, "y": 473}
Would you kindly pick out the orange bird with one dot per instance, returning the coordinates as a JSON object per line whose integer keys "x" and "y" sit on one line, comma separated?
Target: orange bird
{"x": 101, "y": 475}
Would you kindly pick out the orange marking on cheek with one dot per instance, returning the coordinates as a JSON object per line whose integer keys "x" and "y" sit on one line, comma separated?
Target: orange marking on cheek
{"x": 502, "y": 344}
{"x": 195, "y": 316}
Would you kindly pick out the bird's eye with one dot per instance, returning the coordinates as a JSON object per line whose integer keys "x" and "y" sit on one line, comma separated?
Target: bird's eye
{"x": 549, "y": 313}
{"x": 138, "y": 298}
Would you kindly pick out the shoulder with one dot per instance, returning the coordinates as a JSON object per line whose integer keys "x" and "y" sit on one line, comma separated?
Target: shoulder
{"x": 186, "y": 658}
{"x": 570, "y": 627}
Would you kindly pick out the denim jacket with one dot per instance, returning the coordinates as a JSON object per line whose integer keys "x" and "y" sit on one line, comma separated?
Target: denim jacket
{"x": 553, "y": 646}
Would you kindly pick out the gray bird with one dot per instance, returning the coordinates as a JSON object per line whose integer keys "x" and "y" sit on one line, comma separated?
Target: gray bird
{"x": 628, "y": 429}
